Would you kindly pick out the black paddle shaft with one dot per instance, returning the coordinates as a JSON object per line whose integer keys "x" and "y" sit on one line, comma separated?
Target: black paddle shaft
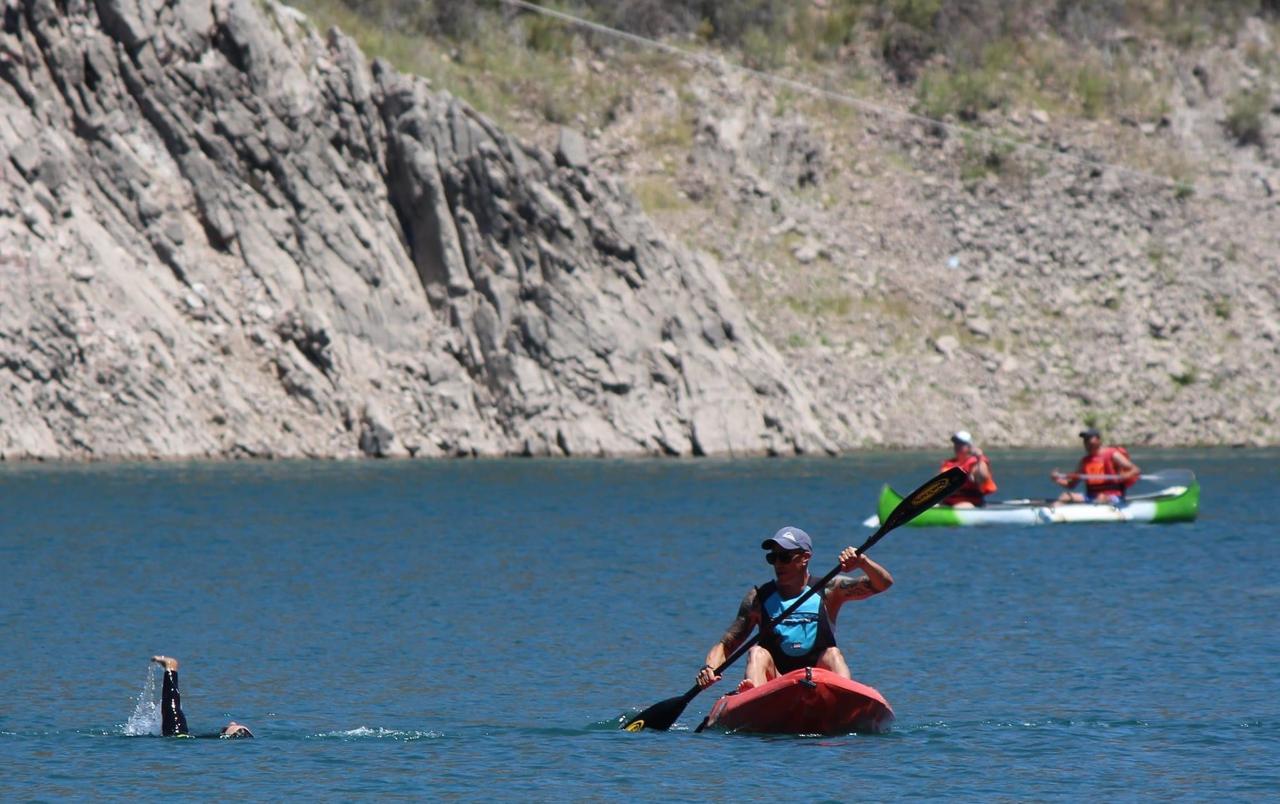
{"x": 787, "y": 612}
{"x": 899, "y": 516}
{"x": 919, "y": 501}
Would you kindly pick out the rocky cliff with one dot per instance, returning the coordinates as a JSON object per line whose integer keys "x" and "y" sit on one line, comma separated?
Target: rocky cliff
{"x": 222, "y": 234}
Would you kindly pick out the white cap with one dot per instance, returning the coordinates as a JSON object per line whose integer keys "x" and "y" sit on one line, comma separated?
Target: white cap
{"x": 962, "y": 437}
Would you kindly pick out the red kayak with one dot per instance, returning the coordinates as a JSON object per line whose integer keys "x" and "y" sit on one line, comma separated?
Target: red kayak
{"x": 806, "y": 701}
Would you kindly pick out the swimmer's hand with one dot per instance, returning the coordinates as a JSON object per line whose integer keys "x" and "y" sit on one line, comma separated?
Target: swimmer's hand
{"x": 165, "y": 662}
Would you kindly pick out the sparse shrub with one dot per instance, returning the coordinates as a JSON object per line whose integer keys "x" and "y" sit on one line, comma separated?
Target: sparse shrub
{"x": 676, "y": 132}
{"x": 908, "y": 34}
{"x": 556, "y": 110}
{"x": 457, "y": 20}
{"x": 1182, "y": 23}
{"x": 965, "y": 93}
{"x": 904, "y": 48}
{"x": 1091, "y": 88}
{"x": 658, "y": 194}
{"x": 835, "y": 29}
{"x": 760, "y": 50}
{"x": 649, "y": 17}
{"x": 919, "y": 14}
{"x": 981, "y": 158}
{"x": 732, "y": 22}
{"x": 821, "y": 306}
{"x": 982, "y": 32}
{"x": 1245, "y": 116}
{"x": 1088, "y": 20}
{"x": 547, "y": 35}
{"x": 424, "y": 17}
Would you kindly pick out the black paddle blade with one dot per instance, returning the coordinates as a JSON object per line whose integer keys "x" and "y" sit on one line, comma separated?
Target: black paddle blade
{"x": 663, "y": 714}
{"x": 659, "y": 717}
{"x": 917, "y": 502}
{"x": 927, "y": 496}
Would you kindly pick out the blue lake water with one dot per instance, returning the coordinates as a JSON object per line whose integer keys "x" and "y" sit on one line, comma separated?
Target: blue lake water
{"x": 473, "y": 630}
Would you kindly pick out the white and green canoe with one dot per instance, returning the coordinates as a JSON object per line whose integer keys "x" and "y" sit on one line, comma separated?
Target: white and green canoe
{"x": 1174, "y": 503}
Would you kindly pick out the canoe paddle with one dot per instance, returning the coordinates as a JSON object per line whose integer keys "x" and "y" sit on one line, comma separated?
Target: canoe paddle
{"x": 663, "y": 714}
{"x": 1026, "y": 502}
{"x": 1178, "y": 476}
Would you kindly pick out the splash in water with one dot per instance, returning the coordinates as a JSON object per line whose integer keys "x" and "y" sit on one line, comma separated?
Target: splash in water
{"x": 145, "y": 720}
{"x": 379, "y": 733}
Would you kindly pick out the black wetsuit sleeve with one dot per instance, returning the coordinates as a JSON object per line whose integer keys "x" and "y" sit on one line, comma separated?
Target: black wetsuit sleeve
{"x": 172, "y": 721}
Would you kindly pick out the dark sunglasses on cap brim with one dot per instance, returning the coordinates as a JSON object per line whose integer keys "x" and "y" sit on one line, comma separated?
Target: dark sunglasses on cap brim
{"x": 776, "y": 557}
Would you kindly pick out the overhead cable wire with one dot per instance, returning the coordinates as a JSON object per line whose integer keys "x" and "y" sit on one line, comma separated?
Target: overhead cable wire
{"x": 854, "y": 101}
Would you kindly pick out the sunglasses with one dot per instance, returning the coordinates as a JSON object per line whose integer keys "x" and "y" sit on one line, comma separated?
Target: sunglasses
{"x": 783, "y": 558}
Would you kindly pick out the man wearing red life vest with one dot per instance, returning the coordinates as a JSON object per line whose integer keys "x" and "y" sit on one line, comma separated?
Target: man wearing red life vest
{"x": 969, "y": 458}
{"x": 1107, "y": 473}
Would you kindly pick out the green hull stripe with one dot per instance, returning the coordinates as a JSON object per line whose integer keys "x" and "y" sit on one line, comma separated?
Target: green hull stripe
{"x": 1182, "y": 507}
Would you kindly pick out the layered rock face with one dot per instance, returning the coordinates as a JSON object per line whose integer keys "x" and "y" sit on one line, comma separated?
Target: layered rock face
{"x": 920, "y": 282}
{"x": 222, "y": 235}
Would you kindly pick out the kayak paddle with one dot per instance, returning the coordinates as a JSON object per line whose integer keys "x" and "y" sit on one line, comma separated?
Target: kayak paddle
{"x": 1180, "y": 477}
{"x": 663, "y": 714}
{"x": 1026, "y": 501}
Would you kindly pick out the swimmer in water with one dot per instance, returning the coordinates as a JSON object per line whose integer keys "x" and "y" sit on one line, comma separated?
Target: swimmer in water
{"x": 172, "y": 722}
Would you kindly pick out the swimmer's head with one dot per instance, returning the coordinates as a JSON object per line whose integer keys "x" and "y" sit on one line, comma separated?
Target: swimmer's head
{"x": 235, "y": 731}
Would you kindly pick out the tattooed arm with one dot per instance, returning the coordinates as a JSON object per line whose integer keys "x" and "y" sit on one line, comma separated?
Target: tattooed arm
{"x": 849, "y": 587}
{"x": 735, "y": 635}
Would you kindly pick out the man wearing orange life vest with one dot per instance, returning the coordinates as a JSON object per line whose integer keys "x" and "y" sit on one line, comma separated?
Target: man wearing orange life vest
{"x": 969, "y": 458}
{"x": 1106, "y": 471}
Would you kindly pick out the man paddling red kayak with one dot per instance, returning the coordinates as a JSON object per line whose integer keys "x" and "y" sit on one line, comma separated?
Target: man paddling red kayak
{"x": 806, "y": 638}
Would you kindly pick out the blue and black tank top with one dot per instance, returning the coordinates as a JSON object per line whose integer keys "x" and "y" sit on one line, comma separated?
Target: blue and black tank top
{"x": 805, "y": 632}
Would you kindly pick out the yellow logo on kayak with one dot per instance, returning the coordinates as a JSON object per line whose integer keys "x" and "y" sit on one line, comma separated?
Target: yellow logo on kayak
{"x": 637, "y": 725}
{"x": 929, "y": 491}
